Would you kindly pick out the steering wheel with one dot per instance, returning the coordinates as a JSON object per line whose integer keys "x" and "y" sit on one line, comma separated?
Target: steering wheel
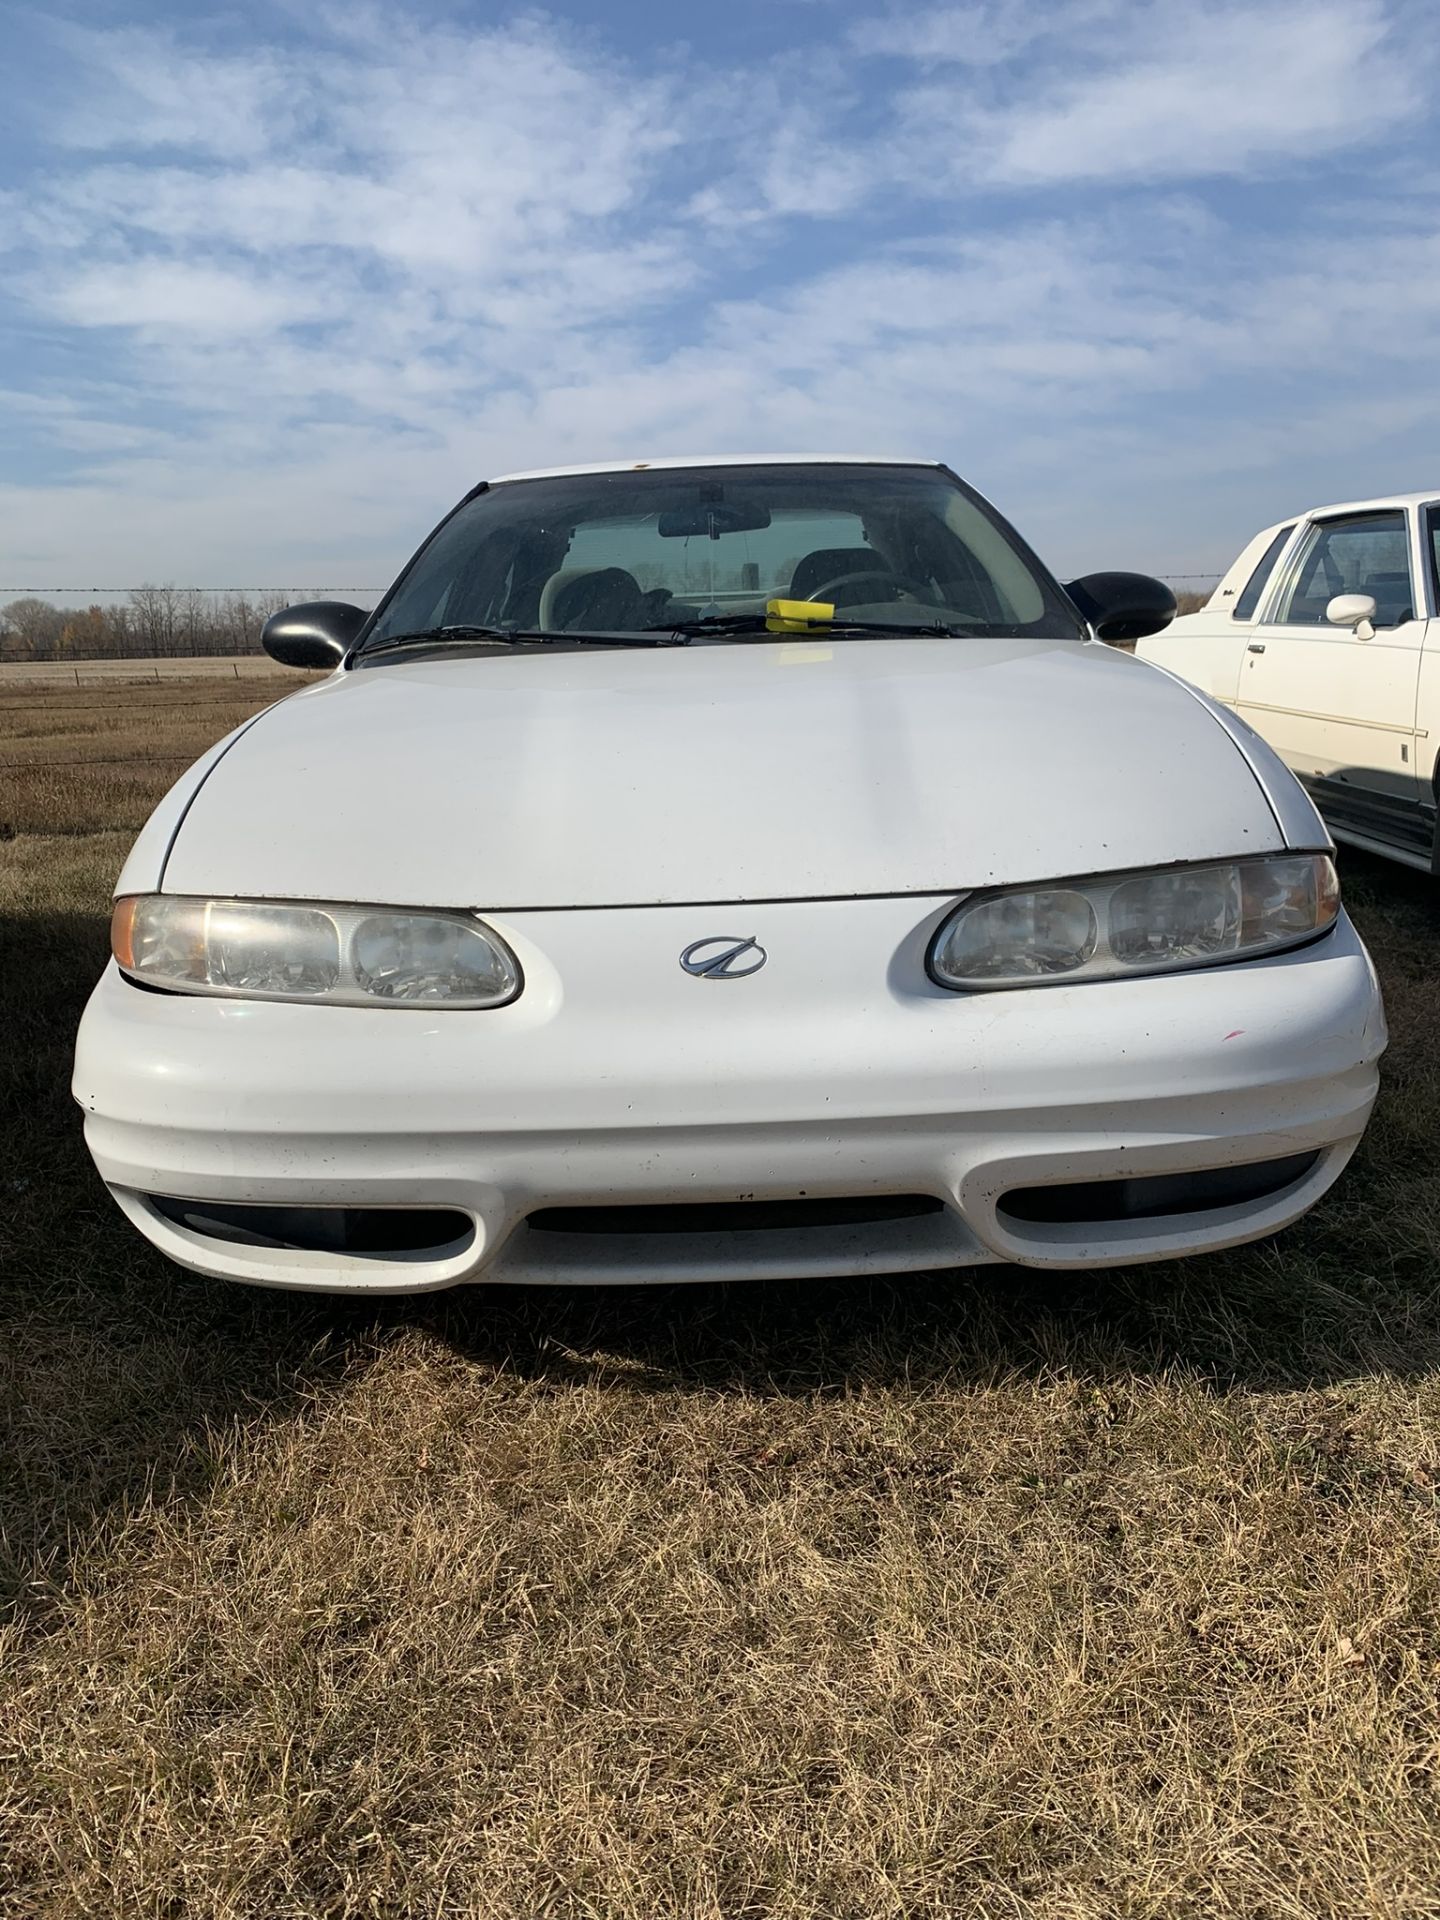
{"x": 902, "y": 587}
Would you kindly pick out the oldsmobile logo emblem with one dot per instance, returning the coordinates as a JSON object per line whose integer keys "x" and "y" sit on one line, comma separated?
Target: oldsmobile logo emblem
{"x": 724, "y": 956}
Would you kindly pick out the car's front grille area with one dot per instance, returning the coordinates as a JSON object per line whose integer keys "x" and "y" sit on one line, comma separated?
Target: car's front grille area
{"x": 735, "y": 1216}
{"x": 620, "y": 1242}
{"x": 361, "y": 1232}
{"x": 1154, "y": 1196}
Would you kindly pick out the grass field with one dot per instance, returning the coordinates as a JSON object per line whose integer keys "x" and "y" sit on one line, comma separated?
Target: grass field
{"x": 1087, "y": 1597}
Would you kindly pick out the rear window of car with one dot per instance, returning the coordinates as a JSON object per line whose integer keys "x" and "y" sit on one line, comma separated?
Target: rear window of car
{"x": 1244, "y": 607}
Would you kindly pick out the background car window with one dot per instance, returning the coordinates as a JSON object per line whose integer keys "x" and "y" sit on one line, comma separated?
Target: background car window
{"x": 1432, "y": 528}
{"x": 1244, "y": 607}
{"x": 1367, "y": 554}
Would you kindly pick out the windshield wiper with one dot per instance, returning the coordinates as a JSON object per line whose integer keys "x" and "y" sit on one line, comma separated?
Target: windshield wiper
{"x": 759, "y": 625}
{"x": 505, "y": 636}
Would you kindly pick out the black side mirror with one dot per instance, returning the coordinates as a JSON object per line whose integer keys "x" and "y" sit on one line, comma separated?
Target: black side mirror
{"x": 318, "y": 633}
{"x": 1123, "y": 606}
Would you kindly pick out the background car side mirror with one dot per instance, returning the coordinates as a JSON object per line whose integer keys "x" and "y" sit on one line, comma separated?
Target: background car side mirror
{"x": 317, "y": 633}
{"x": 1123, "y": 606}
{"x": 1353, "y": 610}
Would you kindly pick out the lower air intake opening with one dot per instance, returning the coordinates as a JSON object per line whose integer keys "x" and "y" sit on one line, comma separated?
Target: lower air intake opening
{"x": 1152, "y": 1196}
{"x": 360, "y": 1232}
{"x": 734, "y": 1216}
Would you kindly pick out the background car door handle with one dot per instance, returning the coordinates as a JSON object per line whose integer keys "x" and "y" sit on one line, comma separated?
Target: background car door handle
{"x": 1256, "y": 646}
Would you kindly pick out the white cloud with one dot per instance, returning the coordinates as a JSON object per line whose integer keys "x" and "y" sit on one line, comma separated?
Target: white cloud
{"x": 976, "y": 33}
{"x": 177, "y": 296}
{"x": 141, "y": 88}
{"x": 316, "y": 297}
{"x": 1171, "y": 92}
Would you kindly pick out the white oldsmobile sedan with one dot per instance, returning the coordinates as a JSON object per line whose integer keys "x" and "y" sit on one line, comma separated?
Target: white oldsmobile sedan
{"x": 1325, "y": 637}
{"x": 712, "y": 869}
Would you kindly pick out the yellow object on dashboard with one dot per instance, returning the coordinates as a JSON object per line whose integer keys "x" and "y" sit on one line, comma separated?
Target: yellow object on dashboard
{"x": 797, "y": 616}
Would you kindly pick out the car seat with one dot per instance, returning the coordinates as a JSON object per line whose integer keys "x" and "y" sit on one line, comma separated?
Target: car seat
{"x": 602, "y": 599}
{"x": 825, "y": 564}
{"x": 1392, "y": 597}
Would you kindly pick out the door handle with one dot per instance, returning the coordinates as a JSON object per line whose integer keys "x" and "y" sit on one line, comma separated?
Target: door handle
{"x": 1256, "y": 646}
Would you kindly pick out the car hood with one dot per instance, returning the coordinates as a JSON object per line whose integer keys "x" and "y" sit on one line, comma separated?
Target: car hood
{"x": 756, "y": 771}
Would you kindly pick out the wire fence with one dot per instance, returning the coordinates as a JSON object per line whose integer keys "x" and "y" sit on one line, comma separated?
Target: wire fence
{"x": 169, "y": 587}
{"x": 52, "y": 622}
{"x": 219, "y": 698}
{"x": 75, "y": 658}
{"x": 213, "y": 711}
{"x": 180, "y": 623}
{"x": 214, "y": 666}
{"x": 126, "y": 760}
{"x": 1212, "y": 573}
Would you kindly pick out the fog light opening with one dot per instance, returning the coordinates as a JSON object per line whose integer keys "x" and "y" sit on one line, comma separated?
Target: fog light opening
{"x": 1155, "y": 1196}
{"x": 363, "y": 1233}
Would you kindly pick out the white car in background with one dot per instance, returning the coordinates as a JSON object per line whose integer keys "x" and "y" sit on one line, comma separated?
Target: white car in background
{"x": 719, "y": 869}
{"x": 1325, "y": 636}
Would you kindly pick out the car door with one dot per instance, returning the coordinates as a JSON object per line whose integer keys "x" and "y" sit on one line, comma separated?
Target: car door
{"x": 1427, "y": 705}
{"x": 1341, "y": 710}
{"x": 1207, "y": 648}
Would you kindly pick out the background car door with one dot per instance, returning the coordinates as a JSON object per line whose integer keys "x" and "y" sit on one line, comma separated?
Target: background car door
{"x": 1427, "y": 704}
{"x": 1340, "y": 710}
{"x": 1207, "y": 648}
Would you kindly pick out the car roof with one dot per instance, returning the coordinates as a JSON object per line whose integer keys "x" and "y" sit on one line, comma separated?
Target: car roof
{"x": 1368, "y": 506}
{"x": 720, "y": 460}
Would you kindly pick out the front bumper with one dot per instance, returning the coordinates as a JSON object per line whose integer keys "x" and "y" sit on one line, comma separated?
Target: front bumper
{"x": 838, "y": 1072}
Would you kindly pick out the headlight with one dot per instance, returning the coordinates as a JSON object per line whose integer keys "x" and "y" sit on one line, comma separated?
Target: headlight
{"x": 347, "y": 956}
{"x": 1129, "y": 923}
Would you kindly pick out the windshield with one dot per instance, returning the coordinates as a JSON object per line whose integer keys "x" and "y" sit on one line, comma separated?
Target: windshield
{"x": 908, "y": 548}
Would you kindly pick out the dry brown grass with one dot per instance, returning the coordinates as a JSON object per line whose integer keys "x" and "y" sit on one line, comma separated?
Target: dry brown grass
{"x": 1189, "y": 601}
{"x": 989, "y": 1594}
{"x": 71, "y": 758}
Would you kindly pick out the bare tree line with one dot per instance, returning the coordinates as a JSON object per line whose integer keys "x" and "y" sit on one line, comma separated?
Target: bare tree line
{"x": 166, "y": 623}
{"x": 151, "y": 623}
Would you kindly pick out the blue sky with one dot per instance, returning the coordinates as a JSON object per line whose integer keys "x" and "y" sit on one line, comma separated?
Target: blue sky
{"x": 279, "y": 284}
